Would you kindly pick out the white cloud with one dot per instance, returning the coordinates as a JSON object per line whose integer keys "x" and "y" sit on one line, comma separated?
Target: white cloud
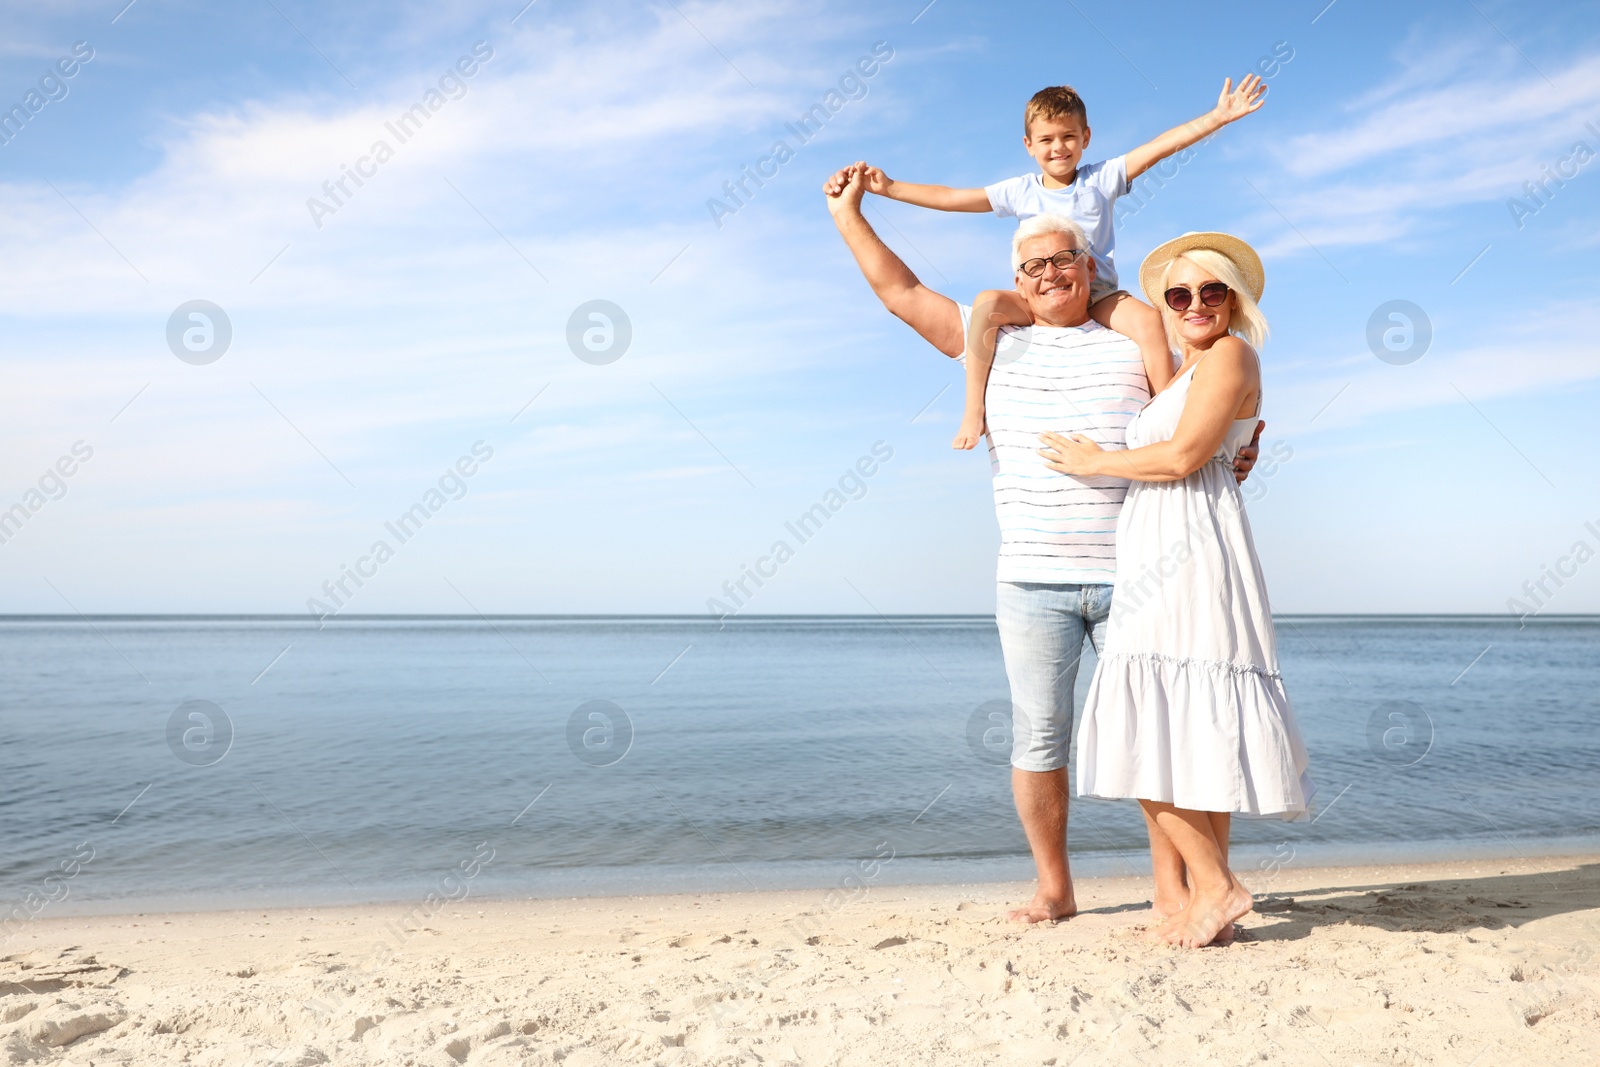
{"x": 1459, "y": 124}
{"x": 406, "y": 327}
{"x": 1549, "y": 350}
{"x": 1471, "y": 112}
{"x": 572, "y": 135}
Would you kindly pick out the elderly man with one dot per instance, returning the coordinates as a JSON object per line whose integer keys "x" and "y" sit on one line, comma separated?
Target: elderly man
{"x": 1065, "y": 374}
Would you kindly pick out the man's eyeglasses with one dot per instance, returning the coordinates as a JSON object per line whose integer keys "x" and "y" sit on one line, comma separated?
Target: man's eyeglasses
{"x": 1211, "y": 295}
{"x": 1061, "y": 260}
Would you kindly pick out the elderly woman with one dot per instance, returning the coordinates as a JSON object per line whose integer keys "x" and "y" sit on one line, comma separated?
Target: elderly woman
{"x": 1187, "y": 711}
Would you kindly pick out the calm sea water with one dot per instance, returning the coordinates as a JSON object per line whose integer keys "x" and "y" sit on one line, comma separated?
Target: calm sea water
{"x": 213, "y": 762}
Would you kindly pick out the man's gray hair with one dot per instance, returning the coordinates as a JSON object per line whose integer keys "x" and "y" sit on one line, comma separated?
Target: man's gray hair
{"x": 1040, "y": 225}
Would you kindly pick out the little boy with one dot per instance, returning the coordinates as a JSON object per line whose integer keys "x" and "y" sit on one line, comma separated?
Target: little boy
{"x": 1055, "y": 133}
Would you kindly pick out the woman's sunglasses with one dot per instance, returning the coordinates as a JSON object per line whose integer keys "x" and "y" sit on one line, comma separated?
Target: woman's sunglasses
{"x": 1211, "y": 294}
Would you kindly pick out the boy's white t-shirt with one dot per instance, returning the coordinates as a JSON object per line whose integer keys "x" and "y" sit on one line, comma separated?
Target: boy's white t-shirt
{"x": 1087, "y": 201}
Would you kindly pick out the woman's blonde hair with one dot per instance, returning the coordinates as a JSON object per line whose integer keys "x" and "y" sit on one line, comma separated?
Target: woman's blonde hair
{"x": 1245, "y": 319}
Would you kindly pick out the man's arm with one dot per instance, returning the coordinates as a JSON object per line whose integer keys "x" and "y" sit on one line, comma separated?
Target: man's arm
{"x": 1245, "y": 461}
{"x": 935, "y": 316}
{"x": 1232, "y": 105}
{"x": 937, "y": 197}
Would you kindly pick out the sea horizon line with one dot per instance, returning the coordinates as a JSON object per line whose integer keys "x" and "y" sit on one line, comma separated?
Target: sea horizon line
{"x": 703, "y": 617}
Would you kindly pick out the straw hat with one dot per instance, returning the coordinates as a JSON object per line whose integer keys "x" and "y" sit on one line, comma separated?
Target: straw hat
{"x": 1244, "y": 257}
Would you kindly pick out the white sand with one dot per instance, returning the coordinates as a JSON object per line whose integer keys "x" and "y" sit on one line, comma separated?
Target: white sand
{"x": 1482, "y": 963}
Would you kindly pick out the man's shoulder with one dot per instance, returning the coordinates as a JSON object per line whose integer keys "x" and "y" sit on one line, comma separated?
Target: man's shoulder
{"x": 1086, "y": 334}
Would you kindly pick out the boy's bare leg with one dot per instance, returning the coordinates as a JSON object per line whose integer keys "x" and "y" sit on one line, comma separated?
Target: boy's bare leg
{"x": 992, "y": 309}
{"x": 1041, "y": 798}
{"x": 1141, "y": 324}
{"x": 980, "y": 359}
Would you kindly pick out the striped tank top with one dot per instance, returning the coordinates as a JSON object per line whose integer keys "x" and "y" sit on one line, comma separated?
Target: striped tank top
{"x": 1089, "y": 380}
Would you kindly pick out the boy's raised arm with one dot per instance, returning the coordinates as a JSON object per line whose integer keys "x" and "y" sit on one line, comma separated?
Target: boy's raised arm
{"x": 1232, "y": 105}
{"x": 937, "y": 197}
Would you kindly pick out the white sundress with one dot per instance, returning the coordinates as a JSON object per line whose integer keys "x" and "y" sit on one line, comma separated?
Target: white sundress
{"x": 1187, "y": 705}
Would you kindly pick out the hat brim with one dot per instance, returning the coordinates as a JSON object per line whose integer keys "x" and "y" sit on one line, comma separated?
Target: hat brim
{"x": 1243, "y": 256}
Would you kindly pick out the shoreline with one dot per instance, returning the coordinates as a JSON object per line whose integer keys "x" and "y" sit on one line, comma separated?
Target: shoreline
{"x": 1251, "y": 860}
{"x": 1287, "y": 879}
{"x": 1447, "y": 959}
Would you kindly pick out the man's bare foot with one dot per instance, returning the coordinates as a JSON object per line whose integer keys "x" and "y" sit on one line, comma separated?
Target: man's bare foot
{"x": 1044, "y": 909}
{"x": 1208, "y": 917}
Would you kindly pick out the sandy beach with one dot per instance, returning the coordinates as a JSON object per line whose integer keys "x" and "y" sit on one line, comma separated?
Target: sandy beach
{"x": 1483, "y": 962}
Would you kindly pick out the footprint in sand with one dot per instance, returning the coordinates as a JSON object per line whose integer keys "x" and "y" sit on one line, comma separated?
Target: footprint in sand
{"x": 698, "y": 940}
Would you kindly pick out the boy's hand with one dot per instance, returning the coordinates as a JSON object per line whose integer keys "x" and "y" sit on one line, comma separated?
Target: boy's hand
{"x": 876, "y": 180}
{"x": 1234, "y": 104}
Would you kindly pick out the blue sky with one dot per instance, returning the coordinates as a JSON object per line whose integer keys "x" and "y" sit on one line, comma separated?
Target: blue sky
{"x": 370, "y": 353}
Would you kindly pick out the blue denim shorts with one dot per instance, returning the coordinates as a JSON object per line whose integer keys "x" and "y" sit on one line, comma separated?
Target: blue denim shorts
{"x": 1042, "y": 629}
{"x": 1099, "y": 290}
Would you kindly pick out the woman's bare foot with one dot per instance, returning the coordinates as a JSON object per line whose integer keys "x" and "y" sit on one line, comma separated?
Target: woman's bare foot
{"x": 1208, "y": 917}
{"x": 1044, "y": 909}
{"x": 1172, "y": 922}
{"x": 1167, "y": 905}
{"x": 1167, "y": 923}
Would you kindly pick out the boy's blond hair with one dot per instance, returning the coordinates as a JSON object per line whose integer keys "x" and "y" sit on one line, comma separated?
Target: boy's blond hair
{"x": 1055, "y": 102}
